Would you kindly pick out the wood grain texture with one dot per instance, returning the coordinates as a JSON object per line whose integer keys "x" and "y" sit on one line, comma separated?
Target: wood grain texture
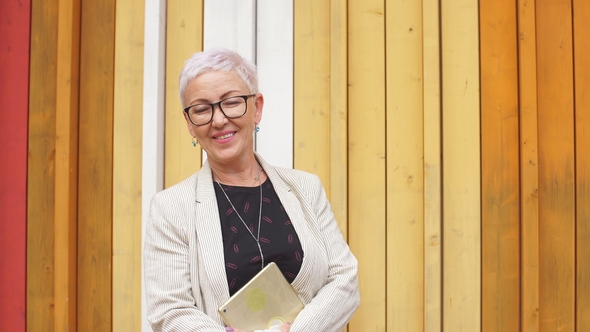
{"x": 529, "y": 167}
{"x": 184, "y": 36}
{"x": 405, "y": 166}
{"x": 432, "y": 166}
{"x": 556, "y": 166}
{"x": 366, "y": 159}
{"x": 15, "y": 31}
{"x": 127, "y": 163}
{"x": 95, "y": 199}
{"x": 339, "y": 114}
{"x": 41, "y": 167}
{"x": 461, "y": 166}
{"x": 500, "y": 167}
{"x": 311, "y": 95}
{"x": 66, "y": 165}
{"x": 581, "y": 11}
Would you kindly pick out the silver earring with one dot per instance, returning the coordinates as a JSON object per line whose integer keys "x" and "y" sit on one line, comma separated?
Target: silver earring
{"x": 256, "y": 128}
{"x": 194, "y": 142}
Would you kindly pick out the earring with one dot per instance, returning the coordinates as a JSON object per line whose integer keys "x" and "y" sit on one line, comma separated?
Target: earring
{"x": 195, "y": 142}
{"x": 256, "y": 128}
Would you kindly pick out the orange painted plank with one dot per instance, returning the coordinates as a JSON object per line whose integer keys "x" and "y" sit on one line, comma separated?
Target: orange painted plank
{"x": 556, "y": 166}
{"x": 15, "y": 31}
{"x": 66, "y": 165}
{"x": 41, "y": 159}
{"x": 95, "y": 166}
{"x": 582, "y": 104}
{"x": 500, "y": 167}
{"x": 529, "y": 171}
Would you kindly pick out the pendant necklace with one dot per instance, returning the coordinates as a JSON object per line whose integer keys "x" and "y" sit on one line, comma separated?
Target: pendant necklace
{"x": 256, "y": 238}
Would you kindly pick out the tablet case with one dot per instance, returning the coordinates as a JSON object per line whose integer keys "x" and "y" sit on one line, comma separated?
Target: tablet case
{"x": 266, "y": 300}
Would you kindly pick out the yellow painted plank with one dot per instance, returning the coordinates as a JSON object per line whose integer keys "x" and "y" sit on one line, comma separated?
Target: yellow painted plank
{"x": 339, "y": 113}
{"x": 184, "y": 36}
{"x": 500, "y": 167}
{"x": 529, "y": 166}
{"x": 311, "y": 36}
{"x": 95, "y": 166}
{"x": 405, "y": 166}
{"x": 366, "y": 159}
{"x": 556, "y": 166}
{"x": 41, "y": 166}
{"x": 582, "y": 121}
{"x": 127, "y": 163}
{"x": 432, "y": 167}
{"x": 66, "y": 165}
{"x": 461, "y": 165}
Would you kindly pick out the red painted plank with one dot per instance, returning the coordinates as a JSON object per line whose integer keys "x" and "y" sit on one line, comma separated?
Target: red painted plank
{"x": 14, "y": 88}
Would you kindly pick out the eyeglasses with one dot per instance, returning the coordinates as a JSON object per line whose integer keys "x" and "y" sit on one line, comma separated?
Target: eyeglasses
{"x": 232, "y": 107}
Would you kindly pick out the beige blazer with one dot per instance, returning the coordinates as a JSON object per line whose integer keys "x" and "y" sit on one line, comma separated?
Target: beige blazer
{"x": 185, "y": 276}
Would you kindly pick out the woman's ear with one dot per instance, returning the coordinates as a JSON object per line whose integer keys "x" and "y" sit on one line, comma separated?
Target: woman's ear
{"x": 191, "y": 128}
{"x": 259, "y": 103}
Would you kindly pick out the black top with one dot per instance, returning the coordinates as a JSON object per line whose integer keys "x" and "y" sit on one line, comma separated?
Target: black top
{"x": 278, "y": 239}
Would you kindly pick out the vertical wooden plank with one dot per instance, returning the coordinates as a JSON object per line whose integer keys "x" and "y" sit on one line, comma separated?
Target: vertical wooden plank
{"x": 461, "y": 165}
{"x": 432, "y": 166}
{"x": 312, "y": 88}
{"x": 339, "y": 112}
{"x": 184, "y": 36}
{"x": 127, "y": 163}
{"x": 529, "y": 166}
{"x": 556, "y": 165}
{"x": 41, "y": 167}
{"x": 366, "y": 182}
{"x": 230, "y": 24}
{"x": 15, "y": 30}
{"x": 96, "y": 166}
{"x": 405, "y": 166}
{"x": 274, "y": 58}
{"x": 154, "y": 79}
{"x": 66, "y": 164}
{"x": 500, "y": 167}
{"x": 581, "y": 11}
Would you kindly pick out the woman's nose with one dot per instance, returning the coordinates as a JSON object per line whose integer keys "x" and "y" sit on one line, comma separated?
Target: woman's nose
{"x": 218, "y": 117}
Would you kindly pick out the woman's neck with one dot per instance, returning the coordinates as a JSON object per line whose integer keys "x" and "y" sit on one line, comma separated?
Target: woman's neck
{"x": 249, "y": 174}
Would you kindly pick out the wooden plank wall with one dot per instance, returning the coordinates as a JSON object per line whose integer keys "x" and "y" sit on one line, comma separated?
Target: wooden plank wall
{"x": 581, "y": 12}
{"x": 451, "y": 137}
{"x": 15, "y": 17}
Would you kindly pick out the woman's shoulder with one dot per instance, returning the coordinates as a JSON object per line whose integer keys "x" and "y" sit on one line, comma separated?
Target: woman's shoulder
{"x": 179, "y": 190}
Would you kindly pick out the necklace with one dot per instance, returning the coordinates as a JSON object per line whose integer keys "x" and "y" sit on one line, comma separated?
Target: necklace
{"x": 257, "y": 237}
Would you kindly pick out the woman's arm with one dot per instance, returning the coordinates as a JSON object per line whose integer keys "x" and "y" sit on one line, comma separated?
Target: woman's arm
{"x": 170, "y": 302}
{"x": 335, "y": 303}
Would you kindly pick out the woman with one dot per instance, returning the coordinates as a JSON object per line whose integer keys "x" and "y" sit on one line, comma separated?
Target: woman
{"x": 210, "y": 234}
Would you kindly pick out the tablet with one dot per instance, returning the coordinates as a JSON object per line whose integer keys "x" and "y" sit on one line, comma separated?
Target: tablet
{"x": 266, "y": 300}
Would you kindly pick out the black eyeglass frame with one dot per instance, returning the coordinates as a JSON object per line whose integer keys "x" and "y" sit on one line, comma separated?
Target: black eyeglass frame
{"x": 245, "y": 97}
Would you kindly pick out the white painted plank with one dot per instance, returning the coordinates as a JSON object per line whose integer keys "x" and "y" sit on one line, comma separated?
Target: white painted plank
{"x": 274, "y": 56}
{"x": 231, "y": 24}
{"x": 153, "y": 114}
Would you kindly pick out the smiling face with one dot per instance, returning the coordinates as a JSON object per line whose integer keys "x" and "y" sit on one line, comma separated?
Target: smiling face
{"x": 225, "y": 140}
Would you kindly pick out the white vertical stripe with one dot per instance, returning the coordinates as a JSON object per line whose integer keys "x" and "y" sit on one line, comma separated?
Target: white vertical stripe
{"x": 274, "y": 55}
{"x": 153, "y": 114}
{"x": 230, "y": 24}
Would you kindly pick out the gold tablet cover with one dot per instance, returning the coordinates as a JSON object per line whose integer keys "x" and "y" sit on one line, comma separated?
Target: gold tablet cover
{"x": 266, "y": 300}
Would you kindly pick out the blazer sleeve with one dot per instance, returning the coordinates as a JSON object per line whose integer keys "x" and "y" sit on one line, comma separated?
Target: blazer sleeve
{"x": 334, "y": 304}
{"x": 170, "y": 302}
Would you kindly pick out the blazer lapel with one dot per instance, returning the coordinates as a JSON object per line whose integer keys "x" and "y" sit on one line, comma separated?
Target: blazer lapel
{"x": 209, "y": 238}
